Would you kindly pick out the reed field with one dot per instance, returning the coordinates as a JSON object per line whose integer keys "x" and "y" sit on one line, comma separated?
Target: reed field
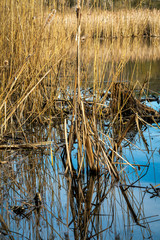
{"x": 118, "y": 24}
{"x": 35, "y": 52}
{"x": 75, "y": 109}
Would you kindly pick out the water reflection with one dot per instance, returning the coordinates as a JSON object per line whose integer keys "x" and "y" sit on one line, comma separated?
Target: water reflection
{"x": 91, "y": 207}
{"x": 138, "y": 59}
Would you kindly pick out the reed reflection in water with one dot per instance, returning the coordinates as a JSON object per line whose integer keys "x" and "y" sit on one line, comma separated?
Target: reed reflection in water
{"x": 91, "y": 207}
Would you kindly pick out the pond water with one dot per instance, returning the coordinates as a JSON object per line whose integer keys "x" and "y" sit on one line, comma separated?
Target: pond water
{"x": 88, "y": 208}
{"x": 91, "y": 207}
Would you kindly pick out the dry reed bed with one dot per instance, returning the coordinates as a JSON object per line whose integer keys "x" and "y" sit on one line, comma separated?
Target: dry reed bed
{"x": 31, "y": 88}
{"x": 31, "y": 58}
{"x": 122, "y": 23}
{"x": 125, "y": 115}
{"x": 23, "y": 98}
{"x": 38, "y": 62}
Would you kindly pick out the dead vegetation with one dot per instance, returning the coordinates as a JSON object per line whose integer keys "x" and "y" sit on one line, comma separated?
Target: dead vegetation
{"x": 95, "y": 123}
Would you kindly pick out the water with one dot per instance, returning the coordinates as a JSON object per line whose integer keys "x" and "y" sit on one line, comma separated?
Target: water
{"x": 91, "y": 207}
{"x": 91, "y": 203}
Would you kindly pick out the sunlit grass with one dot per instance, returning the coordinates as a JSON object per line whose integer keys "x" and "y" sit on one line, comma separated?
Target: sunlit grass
{"x": 38, "y": 61}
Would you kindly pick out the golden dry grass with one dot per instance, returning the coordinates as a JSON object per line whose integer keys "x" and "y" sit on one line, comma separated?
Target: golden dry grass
{"x": 121, "y": 23}
{"x": 38, "y": 61}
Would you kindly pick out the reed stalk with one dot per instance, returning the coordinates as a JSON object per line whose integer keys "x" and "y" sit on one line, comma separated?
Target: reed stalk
{"x": 78, "y": 49}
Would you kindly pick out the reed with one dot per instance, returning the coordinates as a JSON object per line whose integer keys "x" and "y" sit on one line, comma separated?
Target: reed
{"x": 38, "y": 68}
{"x": 31, "y": 56}
{"x": 117, "y": 24}
{"x": 51, "y": 84}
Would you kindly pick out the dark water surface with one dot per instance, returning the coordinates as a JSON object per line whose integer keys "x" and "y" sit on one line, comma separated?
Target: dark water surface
{"x": 91, "y": 207}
